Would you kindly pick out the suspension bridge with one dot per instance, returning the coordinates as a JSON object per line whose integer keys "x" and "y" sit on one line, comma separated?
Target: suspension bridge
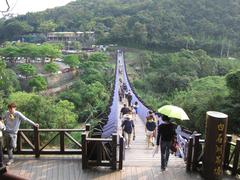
{"x": 98, "y": 151}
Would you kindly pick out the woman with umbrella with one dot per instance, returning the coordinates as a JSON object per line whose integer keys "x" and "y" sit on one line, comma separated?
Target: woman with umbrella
{"x": 166, "y": 133}
{"x": 166, "y": 130}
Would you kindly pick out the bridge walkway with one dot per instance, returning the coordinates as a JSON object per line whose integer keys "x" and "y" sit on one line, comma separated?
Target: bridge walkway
{"x": 139, "y": 164}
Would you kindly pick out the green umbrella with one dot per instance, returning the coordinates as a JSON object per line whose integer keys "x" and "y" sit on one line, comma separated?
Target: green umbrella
{"x": 173, "y": 112}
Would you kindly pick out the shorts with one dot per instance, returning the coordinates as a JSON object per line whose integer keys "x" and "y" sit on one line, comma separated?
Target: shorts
{"x": 149, "y": 133}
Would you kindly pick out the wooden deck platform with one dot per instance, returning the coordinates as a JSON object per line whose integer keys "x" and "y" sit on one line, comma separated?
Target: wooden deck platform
{"x": 70, "y": 168}
{"x": 139, "y": 164}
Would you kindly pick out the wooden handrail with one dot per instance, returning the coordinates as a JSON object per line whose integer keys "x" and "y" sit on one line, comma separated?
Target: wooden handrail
{"x": 227, "y": 151}
{"x": 121, "y": 151}
{"x": 53, "y": 130}
{"x": 99, "y": 139}
{"x": 189, "y": 155}
{"x": 114, "y": 151}
{"x": 84, "y": 151}
{"x": 236, "y": 158}
{"x": 196, "y": 151}
{"x": 34, "y": 142}
{"x": 231, "y": 157}
{"x": 101, "y": 151}
{"x": 37, "y": 142}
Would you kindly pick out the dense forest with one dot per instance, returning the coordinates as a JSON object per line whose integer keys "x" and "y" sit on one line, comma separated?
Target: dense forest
{"x": 168, "y": 25}
{"x": 190, "y": 79}
{"x": 186, "y": 53}
{"x": 86, "y": 101}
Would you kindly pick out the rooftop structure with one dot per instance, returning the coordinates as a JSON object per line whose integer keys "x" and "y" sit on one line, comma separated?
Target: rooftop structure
{"x": 70, "y": 39}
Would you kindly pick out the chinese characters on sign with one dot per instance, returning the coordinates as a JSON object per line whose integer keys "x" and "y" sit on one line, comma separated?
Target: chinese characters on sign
{"x": 219, "y": 149}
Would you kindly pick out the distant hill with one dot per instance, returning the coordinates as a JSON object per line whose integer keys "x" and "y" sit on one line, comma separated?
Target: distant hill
{"x": 212, "y": 25}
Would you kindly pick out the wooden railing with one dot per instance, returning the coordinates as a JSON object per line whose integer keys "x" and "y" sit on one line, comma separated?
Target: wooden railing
{"x": 102, "y": 151}
{"x": 232, "y": 152}
{"x": 33, "y": 144}
{"x": 195, "y": 153}
{"x": 231, "y": 156}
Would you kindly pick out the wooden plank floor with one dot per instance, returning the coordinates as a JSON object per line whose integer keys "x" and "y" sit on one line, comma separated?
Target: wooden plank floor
{"x": 140, "y": 155}
{"x": 70, "y": 168}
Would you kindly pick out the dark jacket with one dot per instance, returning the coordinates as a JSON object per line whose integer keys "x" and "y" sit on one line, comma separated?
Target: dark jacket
{"x": 128, "y": 125}
{"x": 166, "y": 132}
{"x": 125, "y": 110}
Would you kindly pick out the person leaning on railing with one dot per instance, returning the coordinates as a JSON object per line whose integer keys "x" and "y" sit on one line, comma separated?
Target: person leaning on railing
{"x": 13, "y": 120}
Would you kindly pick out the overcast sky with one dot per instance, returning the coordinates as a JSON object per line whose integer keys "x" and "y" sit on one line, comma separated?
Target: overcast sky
{"x": 24, "y": 6}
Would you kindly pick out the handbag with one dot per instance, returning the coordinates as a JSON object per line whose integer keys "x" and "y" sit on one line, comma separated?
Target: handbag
{"x": 174, "y": 145}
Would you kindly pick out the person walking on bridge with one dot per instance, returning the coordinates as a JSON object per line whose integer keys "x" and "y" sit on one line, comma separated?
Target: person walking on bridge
{"x": 128, "y": 128}
{"x": 166, "y": 133}
{"x": 13, "y": 120}
{"x": 124, "y": 110}
{"x": 135, "y": 106}
{"x": 129, "y": 98}
{"x": 150, "y": 128}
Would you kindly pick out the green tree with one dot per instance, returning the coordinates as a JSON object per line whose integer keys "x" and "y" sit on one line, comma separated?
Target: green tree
{"x": 233, "y": 82}
{"x": 90, "y": 95}
{"x": 205, "y": 94}
{"x": 233, "y": 101}
{"x": 47, "y": 26}
{"x": 38, "y": 83}
{"x": 30, "y": 51}
{"x": 72, "y": 60}
{"x": 50, "y": 50}
{"x": 65, "y": 117}
{"x": 8, "y": 80}
{"x": 51, "y": 67}
{"x": 44, "y": 110}
{"x": 140, "y": 33}
{"x": 9, "y": 52}
{"x": 27, "y": 69}
{"x": 99, "y": 57}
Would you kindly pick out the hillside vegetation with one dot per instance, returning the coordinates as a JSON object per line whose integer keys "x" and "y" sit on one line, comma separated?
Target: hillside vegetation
{"x": 213, "y": 26}
{"x": 87, "y": 100}
{"x": 190, "y": 79}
